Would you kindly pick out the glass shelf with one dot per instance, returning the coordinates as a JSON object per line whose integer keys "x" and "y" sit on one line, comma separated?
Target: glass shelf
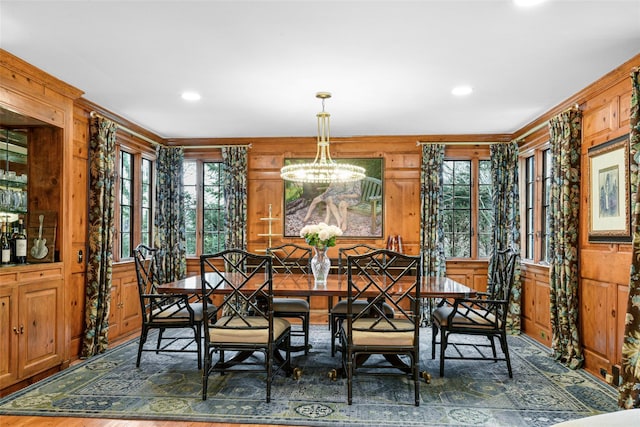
{"x": 7, "y": 183}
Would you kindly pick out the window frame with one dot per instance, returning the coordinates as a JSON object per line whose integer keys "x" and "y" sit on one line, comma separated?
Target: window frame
{"x": 474, "y": 154}
{"x": 540, "y": 237}
{"x": 138, "y": 151}
{"x": 200, "y": 160}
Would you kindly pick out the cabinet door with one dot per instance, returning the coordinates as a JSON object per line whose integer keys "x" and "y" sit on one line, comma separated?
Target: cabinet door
{"x": 130, "y": 319}
{"x": 41, "y": 322}
{"x": 8, "y": 336}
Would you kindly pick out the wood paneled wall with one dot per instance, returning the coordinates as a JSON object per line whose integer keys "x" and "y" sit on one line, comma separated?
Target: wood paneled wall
{"x": 604, "y": 267}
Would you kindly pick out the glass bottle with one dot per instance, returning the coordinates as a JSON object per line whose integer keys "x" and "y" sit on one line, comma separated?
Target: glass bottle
{"x": 21, "y": 244}
{"x": 5, "y": 246}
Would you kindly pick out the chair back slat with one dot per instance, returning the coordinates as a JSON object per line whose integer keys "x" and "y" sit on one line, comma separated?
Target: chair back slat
{"x": 384, "y": 277}
{"x": 290, "y": 259}
{"x": 245, "y": 279}
{"x": 358, "y": 249}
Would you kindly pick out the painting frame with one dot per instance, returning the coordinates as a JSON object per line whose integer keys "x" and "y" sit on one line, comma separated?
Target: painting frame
{"x": 364, "y": 219}
{"x": 609, "y": 193}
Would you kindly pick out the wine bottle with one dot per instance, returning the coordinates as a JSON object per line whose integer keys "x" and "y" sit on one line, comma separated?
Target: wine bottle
{"x": 21, "y": 244}
{"x": 5, "y": 246}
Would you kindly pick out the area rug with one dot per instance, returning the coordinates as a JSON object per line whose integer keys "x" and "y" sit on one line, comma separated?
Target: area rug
{"x": 472, "y": 393}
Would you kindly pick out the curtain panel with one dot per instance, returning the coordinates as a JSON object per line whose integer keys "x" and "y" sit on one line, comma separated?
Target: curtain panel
{"x": 432, "y": 221}
{"x": 432, "y": 200}
{"x": 102, "y": 179}
{"x": 565, "y": 139}
{"x": 169, "y": 220}
{"x": 235, "y": 161}
{"x": 630, "y": 388}
{"x": 506, "y": 219}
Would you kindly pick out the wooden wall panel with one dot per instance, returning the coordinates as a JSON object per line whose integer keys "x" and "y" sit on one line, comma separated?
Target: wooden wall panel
{"x": 535, "y": 303}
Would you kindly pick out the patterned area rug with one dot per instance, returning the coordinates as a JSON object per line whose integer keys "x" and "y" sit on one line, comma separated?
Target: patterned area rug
{"x": 472, "y": 393}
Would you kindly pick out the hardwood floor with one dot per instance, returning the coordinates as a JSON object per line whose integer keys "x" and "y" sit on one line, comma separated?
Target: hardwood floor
{"x": 32, "y": 421}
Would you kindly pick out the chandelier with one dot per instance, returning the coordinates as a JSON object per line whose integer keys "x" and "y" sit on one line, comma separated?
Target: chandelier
{"x": 323, "y": 169}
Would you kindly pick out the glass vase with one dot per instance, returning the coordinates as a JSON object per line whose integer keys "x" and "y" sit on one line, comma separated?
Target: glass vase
{"x": 320, "y": 265}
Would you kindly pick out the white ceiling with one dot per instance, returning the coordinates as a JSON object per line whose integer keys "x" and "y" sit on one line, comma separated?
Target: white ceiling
{"x": 390, "y": 65}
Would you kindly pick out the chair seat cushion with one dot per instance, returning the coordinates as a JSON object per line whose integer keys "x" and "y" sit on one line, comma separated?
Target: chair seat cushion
{"x": 290, "y": 305}
{"x": 236, "y": 330}
{"x": 383, "y": 333}
{"x": 477, "y": 318}
{"x": 177, "y": 313}
{"x": 358, "y": 305}
{"x": 341, "y": 306}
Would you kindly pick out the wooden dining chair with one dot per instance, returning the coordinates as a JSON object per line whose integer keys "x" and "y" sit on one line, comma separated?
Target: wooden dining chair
{"x": 484, "y": 315}
{"x": 338, "y": 311}
{"x": 382, "y": 277}
{"x": 164, "y": 311}
{"x": 292, "y": 259}
{"x": 244, "y": 322}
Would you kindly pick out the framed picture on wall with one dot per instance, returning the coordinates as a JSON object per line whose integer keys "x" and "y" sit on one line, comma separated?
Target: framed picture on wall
{"x": 357, "y": 208}
{"x": 609, "y": 200}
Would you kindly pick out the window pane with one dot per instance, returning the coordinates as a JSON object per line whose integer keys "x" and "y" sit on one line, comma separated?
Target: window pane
{"x": 546, "y": 189}
{"x": 213, "y": 208}
{"x": 457, "y": 207}
{"x": 189, "y": 176}
{"x": 126, "y": 203}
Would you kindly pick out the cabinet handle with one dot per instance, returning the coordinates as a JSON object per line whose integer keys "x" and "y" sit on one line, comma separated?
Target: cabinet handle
{"x": 15, "y": 331}
{"x": 21, "y": 329}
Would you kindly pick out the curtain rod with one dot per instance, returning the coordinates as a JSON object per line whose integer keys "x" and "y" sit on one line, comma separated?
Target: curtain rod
{"x": 545, "y": 123}
{"x": 126, "y": 129}
{"x": 196, "y": 147}
{"x": 460, "y": 142}
{"x": 156, "y": 143}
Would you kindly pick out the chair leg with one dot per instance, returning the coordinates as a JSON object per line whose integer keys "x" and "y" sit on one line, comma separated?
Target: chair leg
{"x": 505, "y": 350}
{"x": 349, "y": 370}
{"x": 434, "y": 334}
{"x": 269, "y": 361}
{"x": 198, "y": 333}
{"x": 493, "y": 347}
{"x": 143, "y": 339}
{"x": 416, "y": 381}
{"x": 205, "y": 373}
{"x": 305, "y": 325}
{"x": 159, "y": 340}
{"x": 443, "y": 346}
{"x": 334, "y": 330}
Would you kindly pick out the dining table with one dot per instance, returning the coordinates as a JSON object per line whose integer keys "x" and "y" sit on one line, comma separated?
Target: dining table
{"x": 303, "y": 285}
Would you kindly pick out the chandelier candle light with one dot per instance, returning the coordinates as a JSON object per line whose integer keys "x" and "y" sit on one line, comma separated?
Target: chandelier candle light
{"x": 323, "y": 170}
{"x": 320, "y": 236}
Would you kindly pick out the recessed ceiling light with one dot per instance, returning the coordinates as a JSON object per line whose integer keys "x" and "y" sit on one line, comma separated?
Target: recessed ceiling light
{"x": 191, "y": 96}
{"x": 527, "y": 3}
{"x": 462, "y": 90}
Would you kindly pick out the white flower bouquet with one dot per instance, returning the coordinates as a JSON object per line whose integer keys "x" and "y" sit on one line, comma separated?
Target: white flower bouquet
{"x": 320, "y": 234}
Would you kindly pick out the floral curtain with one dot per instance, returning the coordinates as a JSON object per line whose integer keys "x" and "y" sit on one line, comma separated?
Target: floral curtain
{"x": 431, "y": 195}
{"x": 432, "y": 223}
{"x": 102, "y": 179}
{"x": 565, "y": 139}
{"x": 235, "y": 160}
{"x": 169, "y": 221}
{"x": 630, "y": 387}
{"x": 506, "y": 218}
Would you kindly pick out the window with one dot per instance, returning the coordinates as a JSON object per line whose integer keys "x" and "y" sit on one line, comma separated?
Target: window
{"x": 204, "y": 206}
{"x": 467, "y": 208}
{"x": 146, "y": 217}
{"x": 544, "y": 217}
{"x": 134, "y": 200}
{"x": 536, "y": 185}
{"x": 530, "y": 184}
{"x": 126, "y": 204}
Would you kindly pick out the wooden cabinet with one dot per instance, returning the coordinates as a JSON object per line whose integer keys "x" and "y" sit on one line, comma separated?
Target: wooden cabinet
{"x": 31, "y": 321}
{"x": 124, "y": 314}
